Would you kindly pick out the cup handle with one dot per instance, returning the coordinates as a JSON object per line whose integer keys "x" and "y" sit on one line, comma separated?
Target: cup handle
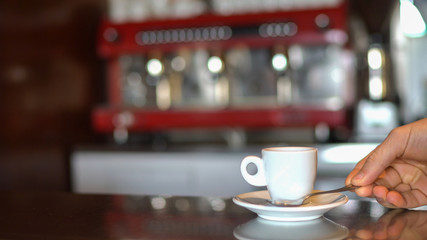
{"x": 257, "y": 179}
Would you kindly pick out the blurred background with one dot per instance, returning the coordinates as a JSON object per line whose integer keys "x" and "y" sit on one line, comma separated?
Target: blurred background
{"x": 162, "y": 96}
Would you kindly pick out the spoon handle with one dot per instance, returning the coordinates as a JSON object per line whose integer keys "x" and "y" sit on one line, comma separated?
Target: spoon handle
{"x": 341, "y": 189}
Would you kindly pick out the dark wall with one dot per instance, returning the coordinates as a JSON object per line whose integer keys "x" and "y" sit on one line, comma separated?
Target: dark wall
{"x": 50, "y": 77}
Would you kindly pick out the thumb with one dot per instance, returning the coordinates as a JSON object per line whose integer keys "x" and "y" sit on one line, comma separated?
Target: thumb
{"x": 381, "y": 157}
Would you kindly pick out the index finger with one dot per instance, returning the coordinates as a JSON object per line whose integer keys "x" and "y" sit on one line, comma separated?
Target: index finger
{"x": 355, "y": 170}
{"x": 382, "y": 156}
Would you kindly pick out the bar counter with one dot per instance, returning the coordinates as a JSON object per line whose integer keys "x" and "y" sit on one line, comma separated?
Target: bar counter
{"x": 35, "y": 215}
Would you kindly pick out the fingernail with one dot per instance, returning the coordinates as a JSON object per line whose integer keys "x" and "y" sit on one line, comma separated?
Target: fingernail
{"x": 359, "y": 176}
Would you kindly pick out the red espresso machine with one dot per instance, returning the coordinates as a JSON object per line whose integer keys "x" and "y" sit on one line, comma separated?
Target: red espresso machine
{"x": 284, "y": 69}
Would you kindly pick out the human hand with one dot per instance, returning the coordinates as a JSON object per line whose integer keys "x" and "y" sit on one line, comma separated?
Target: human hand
{"x": 395, "y": 172}
{"x": 396, "y": 224}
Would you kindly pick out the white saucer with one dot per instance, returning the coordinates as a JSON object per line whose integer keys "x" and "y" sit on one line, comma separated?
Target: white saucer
{"x": 259, "y": 202}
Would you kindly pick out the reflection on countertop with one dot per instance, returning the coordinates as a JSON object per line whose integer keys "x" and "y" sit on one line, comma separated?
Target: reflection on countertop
{"x": 48, "y": 215}
{"x": 396, "y": 224}
{"x": 321, "y": 228}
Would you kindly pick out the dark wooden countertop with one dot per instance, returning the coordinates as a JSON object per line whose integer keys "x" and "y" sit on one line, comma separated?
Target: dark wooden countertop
{"x": 34, "y": 215}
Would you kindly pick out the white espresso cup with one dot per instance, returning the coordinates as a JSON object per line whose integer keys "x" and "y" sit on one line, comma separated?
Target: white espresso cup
{"x": 288, "y": 172}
